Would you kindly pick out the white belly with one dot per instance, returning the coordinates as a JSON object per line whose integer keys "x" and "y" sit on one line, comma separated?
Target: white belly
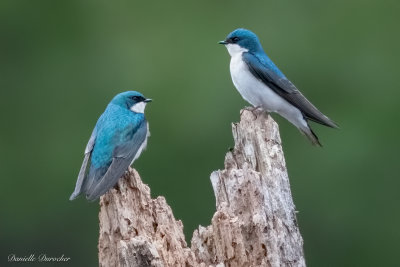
{"x": 257, "y": 93}
{"x": 253, "y": 90}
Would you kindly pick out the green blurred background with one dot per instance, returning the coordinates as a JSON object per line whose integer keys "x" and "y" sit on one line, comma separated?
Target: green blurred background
{"x": 62, "y": 62}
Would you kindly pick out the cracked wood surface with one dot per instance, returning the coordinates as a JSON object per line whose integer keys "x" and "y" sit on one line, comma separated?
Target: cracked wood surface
{"x": 254, "y": 225}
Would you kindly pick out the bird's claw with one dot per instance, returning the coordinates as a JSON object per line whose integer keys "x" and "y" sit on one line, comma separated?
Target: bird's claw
{"x": 254, "y": 109}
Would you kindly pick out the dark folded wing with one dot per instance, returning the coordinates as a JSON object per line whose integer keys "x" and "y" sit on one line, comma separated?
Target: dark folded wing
{"x": 122, "y": 158}
{"x": 284, "y": 88}
{"x": 84, "y": 168}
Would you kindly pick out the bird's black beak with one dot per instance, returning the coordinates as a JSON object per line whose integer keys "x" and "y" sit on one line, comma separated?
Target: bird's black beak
{"x": 147, "y": 100}
{"x": 223, "y": 42}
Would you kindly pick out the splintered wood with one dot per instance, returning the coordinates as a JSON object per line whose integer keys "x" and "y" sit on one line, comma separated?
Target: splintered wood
{"x": 254, "y": 225}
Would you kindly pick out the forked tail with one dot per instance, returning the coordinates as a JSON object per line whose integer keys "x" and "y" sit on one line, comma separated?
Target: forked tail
{"x": 308, "y": 132}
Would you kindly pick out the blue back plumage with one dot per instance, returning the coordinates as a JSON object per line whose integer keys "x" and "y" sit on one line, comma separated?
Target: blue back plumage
{"x": 117, "y": 140}
{"x": 249, "y": 40}
{"x": 116, "y": 126}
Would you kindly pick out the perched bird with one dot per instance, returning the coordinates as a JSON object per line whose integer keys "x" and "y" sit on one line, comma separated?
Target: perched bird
{"x": 118, "y": 139}
{"x": 264, "y": 86}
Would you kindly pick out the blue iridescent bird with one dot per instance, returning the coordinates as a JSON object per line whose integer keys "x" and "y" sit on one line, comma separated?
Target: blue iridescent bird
{"x": 118, "y": 139}
{"x": 264, "y": 86}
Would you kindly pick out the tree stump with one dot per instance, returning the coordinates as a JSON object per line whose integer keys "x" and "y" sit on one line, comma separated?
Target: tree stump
{"x": 254, "y": 225}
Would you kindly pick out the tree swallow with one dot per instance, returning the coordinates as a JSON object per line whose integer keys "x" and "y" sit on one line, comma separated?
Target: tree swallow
{"x": 118, "y": 139}
{"x": 264, "y": 86}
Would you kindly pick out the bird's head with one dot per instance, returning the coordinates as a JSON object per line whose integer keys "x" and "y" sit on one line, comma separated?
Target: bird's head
{"x": 131, "y": 100}
{"x": 241, "y": 40}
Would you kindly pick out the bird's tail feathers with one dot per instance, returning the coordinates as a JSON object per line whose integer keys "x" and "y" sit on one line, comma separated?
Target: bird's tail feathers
{"x": 308, "y": 132}
{"x": 101, "y": 180}
{"x": 94, "y": 177}
{"x": 74, "y": 195}
{"x": 81, "y": 178}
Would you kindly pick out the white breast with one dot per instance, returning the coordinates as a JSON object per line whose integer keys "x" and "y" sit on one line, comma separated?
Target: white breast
{"x": 253, "y": 90}
{"x": 256, "y": 92}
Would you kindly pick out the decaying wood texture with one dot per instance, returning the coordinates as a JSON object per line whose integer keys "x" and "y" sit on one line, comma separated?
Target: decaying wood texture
{"x": 254, "y": 225}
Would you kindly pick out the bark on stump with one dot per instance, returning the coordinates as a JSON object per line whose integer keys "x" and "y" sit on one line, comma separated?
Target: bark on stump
{"x": 254, "y": 225}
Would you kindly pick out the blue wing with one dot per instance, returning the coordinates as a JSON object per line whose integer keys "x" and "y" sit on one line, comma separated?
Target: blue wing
{"x": 100, "y": 180}
{"x": 271, "y": 76}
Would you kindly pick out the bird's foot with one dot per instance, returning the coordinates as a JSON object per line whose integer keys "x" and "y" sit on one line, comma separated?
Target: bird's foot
{"x": 252, "y": 109}
{"x": 255, "y": 110}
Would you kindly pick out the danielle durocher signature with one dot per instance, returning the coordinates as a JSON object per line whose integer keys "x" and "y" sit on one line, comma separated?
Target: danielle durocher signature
{"x": 39, "y": 258}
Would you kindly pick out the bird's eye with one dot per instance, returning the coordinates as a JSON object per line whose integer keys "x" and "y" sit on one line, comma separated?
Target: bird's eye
{"x": 135, "y": 98}
{"x": 235, "y": 39}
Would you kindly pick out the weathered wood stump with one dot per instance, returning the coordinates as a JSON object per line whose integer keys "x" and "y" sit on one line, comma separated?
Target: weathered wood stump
{"x": 254, "y": 225}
